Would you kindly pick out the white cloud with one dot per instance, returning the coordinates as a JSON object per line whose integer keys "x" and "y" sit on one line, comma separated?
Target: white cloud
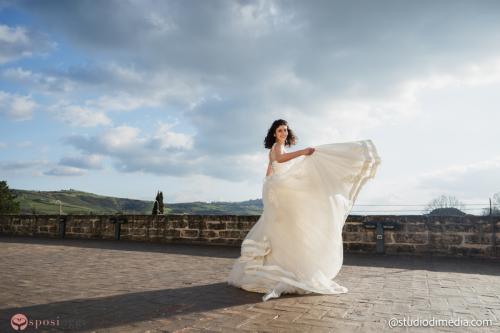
{"x": 468, "y": 74}
{"x": 119, "y": 87}
{"x": 112, "y": 87}
{"x": 83, "y": 162}
{"x": 15, "y": 43}
{"x": 347, "y": 119}
{"x": 167, "y": 152}
{"x": 480, "y": 179}
{"x": 120, "y": 139}
{"x": 161, "y": 24}
{"x": 18, "y": 42}
{"x": 17, "y": 107}
{"x": 44, "y": 82}
{"x": 13, "y": 35}
{"x": 127, "y": 74}
{"x": 129, "y": 88}
{"x": 123, "y": 139}
{"x": 123, "y": 102}
{"x": 64, "y": 171}
{"x": 18, "y": 73}
{"x": 260, "y": 18}
{"x": 79, "y": 116}
{"x": 21, "y": 165}
{"x": 35, "y": 168}
{"x": 165, "y": 138}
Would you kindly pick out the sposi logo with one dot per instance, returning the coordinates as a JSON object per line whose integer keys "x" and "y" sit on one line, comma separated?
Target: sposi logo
{"x": 19, "y": 322}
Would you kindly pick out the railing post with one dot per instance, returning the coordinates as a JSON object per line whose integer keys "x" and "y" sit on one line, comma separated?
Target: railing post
{"x": 380, "y": 237}
{"x": 379, "y": 227}
{"x": 493, "y": 232}
{"x": 118, "y": 221}
{"x": 62, "y": 226}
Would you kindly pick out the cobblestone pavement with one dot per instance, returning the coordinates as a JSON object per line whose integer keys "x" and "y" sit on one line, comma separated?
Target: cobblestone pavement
{"x": 109, "y": 286}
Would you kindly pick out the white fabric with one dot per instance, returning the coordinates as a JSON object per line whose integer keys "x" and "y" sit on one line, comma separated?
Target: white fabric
{"x": 296, "y": 245}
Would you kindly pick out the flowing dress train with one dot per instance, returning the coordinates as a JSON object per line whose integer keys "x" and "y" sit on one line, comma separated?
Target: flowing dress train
{"x": 296, "y": 244}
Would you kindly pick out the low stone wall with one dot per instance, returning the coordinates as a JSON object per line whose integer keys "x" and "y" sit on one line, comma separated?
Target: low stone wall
{"x": 410, "y": 234}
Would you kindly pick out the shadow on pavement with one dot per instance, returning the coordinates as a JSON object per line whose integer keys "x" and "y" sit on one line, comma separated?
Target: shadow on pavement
{"x": 126, "y": 309}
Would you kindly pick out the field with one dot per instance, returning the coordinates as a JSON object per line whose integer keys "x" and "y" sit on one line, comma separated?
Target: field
{"x": 78, "y": 202}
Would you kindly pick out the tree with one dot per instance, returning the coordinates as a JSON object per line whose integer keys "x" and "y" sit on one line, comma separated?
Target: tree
{"x": 8, "y": 205}
{"x": 158, "y": 204}
{"x": 445, "y": 205}
{"x": 160, "y": 200}
{"x": 495, "y": 206}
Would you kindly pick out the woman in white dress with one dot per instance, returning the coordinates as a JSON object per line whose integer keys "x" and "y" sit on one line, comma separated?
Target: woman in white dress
{"x": 296, "y": 245}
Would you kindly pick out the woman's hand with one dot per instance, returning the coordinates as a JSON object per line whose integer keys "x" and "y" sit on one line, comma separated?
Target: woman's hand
{"x": 309, "y": 151}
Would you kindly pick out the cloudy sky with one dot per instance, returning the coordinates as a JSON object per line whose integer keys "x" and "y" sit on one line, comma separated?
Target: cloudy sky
{"x": 124, "y": 98}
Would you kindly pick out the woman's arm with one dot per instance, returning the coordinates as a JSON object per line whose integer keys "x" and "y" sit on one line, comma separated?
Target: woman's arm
{"x": 284, "y": 157}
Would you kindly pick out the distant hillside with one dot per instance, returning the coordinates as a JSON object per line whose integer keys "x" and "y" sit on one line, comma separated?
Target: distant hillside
{"x": 447, "y": 211}
{"x": 78, "y": 202}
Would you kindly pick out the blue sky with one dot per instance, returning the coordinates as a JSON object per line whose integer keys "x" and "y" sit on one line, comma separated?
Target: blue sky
{"x": 125, "y": 98}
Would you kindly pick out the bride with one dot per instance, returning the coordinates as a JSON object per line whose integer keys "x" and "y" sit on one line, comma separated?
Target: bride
{"x": 296, "y": 245}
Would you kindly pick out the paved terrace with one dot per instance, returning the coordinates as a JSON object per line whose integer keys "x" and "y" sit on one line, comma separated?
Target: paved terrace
{"x": 110, "y": 286}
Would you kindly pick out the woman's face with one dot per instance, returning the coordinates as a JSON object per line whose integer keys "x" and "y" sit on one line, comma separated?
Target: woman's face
{"x": 281, "y": 133}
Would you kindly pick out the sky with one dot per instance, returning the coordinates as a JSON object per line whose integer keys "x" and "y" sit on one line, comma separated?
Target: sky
{"x": 124, "y": 98}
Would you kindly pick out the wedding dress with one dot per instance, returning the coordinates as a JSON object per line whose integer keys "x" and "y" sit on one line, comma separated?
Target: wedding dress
{"x": 296, "y": 244}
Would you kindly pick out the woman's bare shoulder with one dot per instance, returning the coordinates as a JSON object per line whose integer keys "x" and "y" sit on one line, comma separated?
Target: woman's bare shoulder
{"x": 278, "y": 148}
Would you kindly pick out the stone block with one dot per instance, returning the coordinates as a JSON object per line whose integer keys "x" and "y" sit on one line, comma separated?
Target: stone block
{"x": 484, "y": 238}
{"x": 195, "y": 225}
{"x": 352, "y": 237}
{"x": 209, "y": 233}
{"x": 230, "y": 234}
{"x": 239, "y": 225}
{"x": 355, "y": 218}
{"x": 360, "y": 247}
{"x": 410, "y": 238}
{"x": 216, "y": 225}
{"x": 435, "y": 226}
{"x": 353, "y": 227}
{"x": 173, "y": 233}
{"x": 444, "y": 240}
{"x": 381, "y": 218}
{"x": 178, "y": 224}
{"x": 189, "y": 233}
{"x": 369, "y": 236}
{"x": 415, "y": 227}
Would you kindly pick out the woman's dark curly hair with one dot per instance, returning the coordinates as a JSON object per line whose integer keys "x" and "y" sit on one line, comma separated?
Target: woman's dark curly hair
{"x": 270, "y": 139}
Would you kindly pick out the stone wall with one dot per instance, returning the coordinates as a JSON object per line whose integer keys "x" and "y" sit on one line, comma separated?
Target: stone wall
{"x": 410, "y": 234}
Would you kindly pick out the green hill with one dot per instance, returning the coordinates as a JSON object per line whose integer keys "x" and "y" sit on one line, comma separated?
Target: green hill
{"x": 78, "y": 202}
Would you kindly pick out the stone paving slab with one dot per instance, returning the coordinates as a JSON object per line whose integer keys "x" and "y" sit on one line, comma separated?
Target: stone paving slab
{"x": 118, "y": 286}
